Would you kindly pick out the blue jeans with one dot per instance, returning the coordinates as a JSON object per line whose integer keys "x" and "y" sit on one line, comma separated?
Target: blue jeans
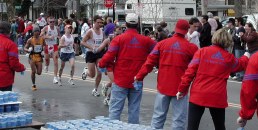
{"x": 238, "y": 54}
{"x": 117, "y": 101}
{"x": 179, "y": 112}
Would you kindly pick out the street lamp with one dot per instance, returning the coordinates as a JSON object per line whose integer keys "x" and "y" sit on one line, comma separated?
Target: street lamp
{"x": 32, "y": 2}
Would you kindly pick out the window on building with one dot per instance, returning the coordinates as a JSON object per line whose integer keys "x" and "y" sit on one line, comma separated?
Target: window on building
{"x": 189, "y": 11}
{"x": 129, "y": 6}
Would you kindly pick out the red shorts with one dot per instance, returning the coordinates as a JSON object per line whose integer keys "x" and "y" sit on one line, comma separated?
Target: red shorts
{"x": 51, "y": 49}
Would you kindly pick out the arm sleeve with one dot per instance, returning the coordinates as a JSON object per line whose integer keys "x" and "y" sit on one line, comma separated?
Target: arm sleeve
{"x": 240, "y": 64}
{"x": 190, "y": 73}
{"x": 152, "y": 60}
{"x": 249, "y": 92}
{"x": 14, "y": 62}
{"x": 111, "y": 54}
{"x": 250, "y": 38}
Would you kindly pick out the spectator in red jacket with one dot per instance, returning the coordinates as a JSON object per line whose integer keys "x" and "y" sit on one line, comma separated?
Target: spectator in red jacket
{"x": 21, "y": 25}
{"x": 249, "y": 91}
{"x": 9, "y": 61}
{"x": 130, "y": 51}
{"x": 209, "y": 71}
{"x": 172, "y": 56}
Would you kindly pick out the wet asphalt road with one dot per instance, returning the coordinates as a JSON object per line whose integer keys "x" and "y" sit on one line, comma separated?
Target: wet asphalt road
{"x": 53, "y": 103}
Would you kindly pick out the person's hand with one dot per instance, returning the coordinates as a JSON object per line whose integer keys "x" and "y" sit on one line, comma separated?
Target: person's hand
{"x": 241, "y": 34}
{"x": 102, "y": 70}
{"x": 137, "y": 84}
{"x": 241, "y": 122}
{"x": 30, "y": 49}
{"x": 247, "y": 54}
{"x": 179, "y": 95}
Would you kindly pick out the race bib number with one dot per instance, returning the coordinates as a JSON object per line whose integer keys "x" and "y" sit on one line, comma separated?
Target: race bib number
{"x": 98, "y": 42}
{"x": 69, "y": 48}
{"x": 37, "y": 48}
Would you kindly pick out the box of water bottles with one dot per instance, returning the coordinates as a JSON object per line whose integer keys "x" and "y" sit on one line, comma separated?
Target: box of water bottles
{"x": 99, "y": 123}
{"x": 15, "y": 119}
{"x": 9, "y": 102}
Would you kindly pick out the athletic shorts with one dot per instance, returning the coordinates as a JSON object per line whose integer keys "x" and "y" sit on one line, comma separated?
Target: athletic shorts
{"x": 51, "y": 49}
{"x": 66, "y": 56}
{"x": 35, "y": 58}
{"x": 92, "y": 58}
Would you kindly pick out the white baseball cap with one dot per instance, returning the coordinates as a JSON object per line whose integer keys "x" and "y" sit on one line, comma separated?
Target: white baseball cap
{"x": 132, "y": 18}
{"x": 41, "y": 13}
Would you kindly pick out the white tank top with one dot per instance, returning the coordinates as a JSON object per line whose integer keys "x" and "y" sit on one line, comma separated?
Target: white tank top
{"x": 51, "y": 33}
{"x": 68, "y": 41}
{"x": 96, "y": 39}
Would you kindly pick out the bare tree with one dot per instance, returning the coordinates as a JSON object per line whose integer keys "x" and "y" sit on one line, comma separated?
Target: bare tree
{"x": 238, "y": 8}
{"x": 152, "y": 10}
{"x": 47, "y": 4}
{"x": 92, "y": 4}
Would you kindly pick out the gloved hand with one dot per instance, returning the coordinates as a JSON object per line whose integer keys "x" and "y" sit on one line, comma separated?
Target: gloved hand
{"x": 179, "y": 95}
{"x": 102, "y": 70}
{"x": 137, "y": 84}
{"x": 247, "y": 54}
{"x": 241, "y": 122}
{"x": 30, "y": 49}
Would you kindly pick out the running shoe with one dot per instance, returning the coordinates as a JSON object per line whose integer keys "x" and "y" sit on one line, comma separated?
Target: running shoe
{"x": 95, "y": 93}
{"x": 104, "y": 89}
{"x": 59, "y": 82}
{"x": 84, "y": 73}
{"x": 70, "y": 81}
{"x": 106, "y": 101}
{"x": 34, "y": 87}
{"x": 46, "y": 69}
{"x": 55, "y": 80}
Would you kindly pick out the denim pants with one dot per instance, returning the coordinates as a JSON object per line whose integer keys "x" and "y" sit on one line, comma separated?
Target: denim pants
{"x": 238, "y": 54}
{"x": 179, "y": 112}
{"x": 117, "y": 101}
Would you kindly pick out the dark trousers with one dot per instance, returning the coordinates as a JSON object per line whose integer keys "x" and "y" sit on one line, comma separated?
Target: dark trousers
{"x": 8, "y": 88}
{"x": 196, "y": 112}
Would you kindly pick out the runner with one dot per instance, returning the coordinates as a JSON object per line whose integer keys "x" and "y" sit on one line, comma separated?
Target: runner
{"x": 92, "y": 40}
{"x": 109, "y": 72}
{"x": 51, "y": 33}
{"x": 67, "y": 53}
{"x": 34, "y": 47}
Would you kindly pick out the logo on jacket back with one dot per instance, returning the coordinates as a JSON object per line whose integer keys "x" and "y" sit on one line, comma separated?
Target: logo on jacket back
{"x": 176, "y": 46}
{"x": 218, "y": 56}
{"x": 134, "y": 41}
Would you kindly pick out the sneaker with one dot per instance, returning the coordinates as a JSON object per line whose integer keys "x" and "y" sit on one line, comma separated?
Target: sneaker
{"x": 156, "y": 72}
{"x": 46, "y": 69}
{"x": 84, "y": 73}
{"x": 59, "y": 82}
{"x": 235, "y": 78}
{"x": 34, "y": 88}
{"x": 95, "y": 93}
{"x": 55, "y": 80}
{"x": 70, "y": 81}
{"x": 106, "y": 101}
{"x": 104, "y": 89}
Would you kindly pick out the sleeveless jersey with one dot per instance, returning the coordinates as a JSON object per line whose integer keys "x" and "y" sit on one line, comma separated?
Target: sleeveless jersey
{"x": 69, "y": 42}
{"x": 51, "y": 33}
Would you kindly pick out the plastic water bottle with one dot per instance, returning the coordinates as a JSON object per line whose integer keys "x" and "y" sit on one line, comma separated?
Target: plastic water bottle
{"x": 241, "y": 128}
{"x": 1, "y": 98}
{"x": 7, "y": 108}
{"x": 138, "y": 85}
{"x": 22, "y": 73}
{"x": 6, "y": 97}
{"x": 3, "y": 122}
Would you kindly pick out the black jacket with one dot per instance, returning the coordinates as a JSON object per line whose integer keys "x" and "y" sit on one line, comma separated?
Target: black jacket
{"x": 205, "y": 37}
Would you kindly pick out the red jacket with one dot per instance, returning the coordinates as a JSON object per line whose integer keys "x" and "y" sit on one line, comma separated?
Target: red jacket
{"x": 21, "y": 26}
{"x": 9, "y": 61}
{"x": 27, "y": 29}
{"x": 172, "y": 56}
{"x": 130, "y": 51}
{"x": 209, "y": 71}
{"x": 249, "y": 91}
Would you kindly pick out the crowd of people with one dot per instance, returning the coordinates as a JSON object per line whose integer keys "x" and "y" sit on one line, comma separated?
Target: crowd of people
{"x": 127, "y": 57}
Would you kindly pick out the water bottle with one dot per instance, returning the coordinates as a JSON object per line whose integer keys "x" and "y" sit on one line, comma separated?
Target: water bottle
{"x": 15, "y": 107}
{"x": 1, "y": 98}
{"x": 3, "y": 122}
{"x": 28, "y": 117}
{"x": 6, "y": 97}
{"x": 138, "y": 85}
{"x": 241, "y": 128}
{"x": 8, "y": 121}
{"x": 1, "y": 109}
{"x": 7, "y": 108}
{"x": 22, "y": 73}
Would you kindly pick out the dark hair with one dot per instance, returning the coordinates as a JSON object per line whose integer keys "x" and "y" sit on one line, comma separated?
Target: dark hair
{"x": 205, "y": 17}
{"x": 5, "y": 27}
{"x": 159, "y": 28}
{"x": 193, "y": 20}
{"x": 133, "y": 26}
{"x": 85, "y": 20}
{"x": 109, "y": 20}
{"x": 251, "y": 26}
{"x": 67, "y": 21}
{"x": 241, "y": 21}
{"x": 96, "y": 17}
{"x": 72, "y": 16}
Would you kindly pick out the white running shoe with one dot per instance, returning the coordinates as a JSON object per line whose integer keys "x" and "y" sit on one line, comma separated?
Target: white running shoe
{"x": 46, "y": 69}
{"x": 84, "y": 73}
{"x": 104, "y": 89}
{"x": 106, "y": 101}
{"x": 95, "y": 93}
{"x": 55, "y": 80}
{"x": 235, "y": 78}
{"x": 59, "y": 82}
{"x": 70, "y": 81}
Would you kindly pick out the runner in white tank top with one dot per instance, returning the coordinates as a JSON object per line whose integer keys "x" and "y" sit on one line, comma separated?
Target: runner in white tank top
{"x": 50, "y": 34}
{"x": 67, "y": 53}
{"x": 92, "y": 40}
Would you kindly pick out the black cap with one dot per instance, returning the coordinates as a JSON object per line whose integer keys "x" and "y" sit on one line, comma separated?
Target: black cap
{"x": 5, "y": 27}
